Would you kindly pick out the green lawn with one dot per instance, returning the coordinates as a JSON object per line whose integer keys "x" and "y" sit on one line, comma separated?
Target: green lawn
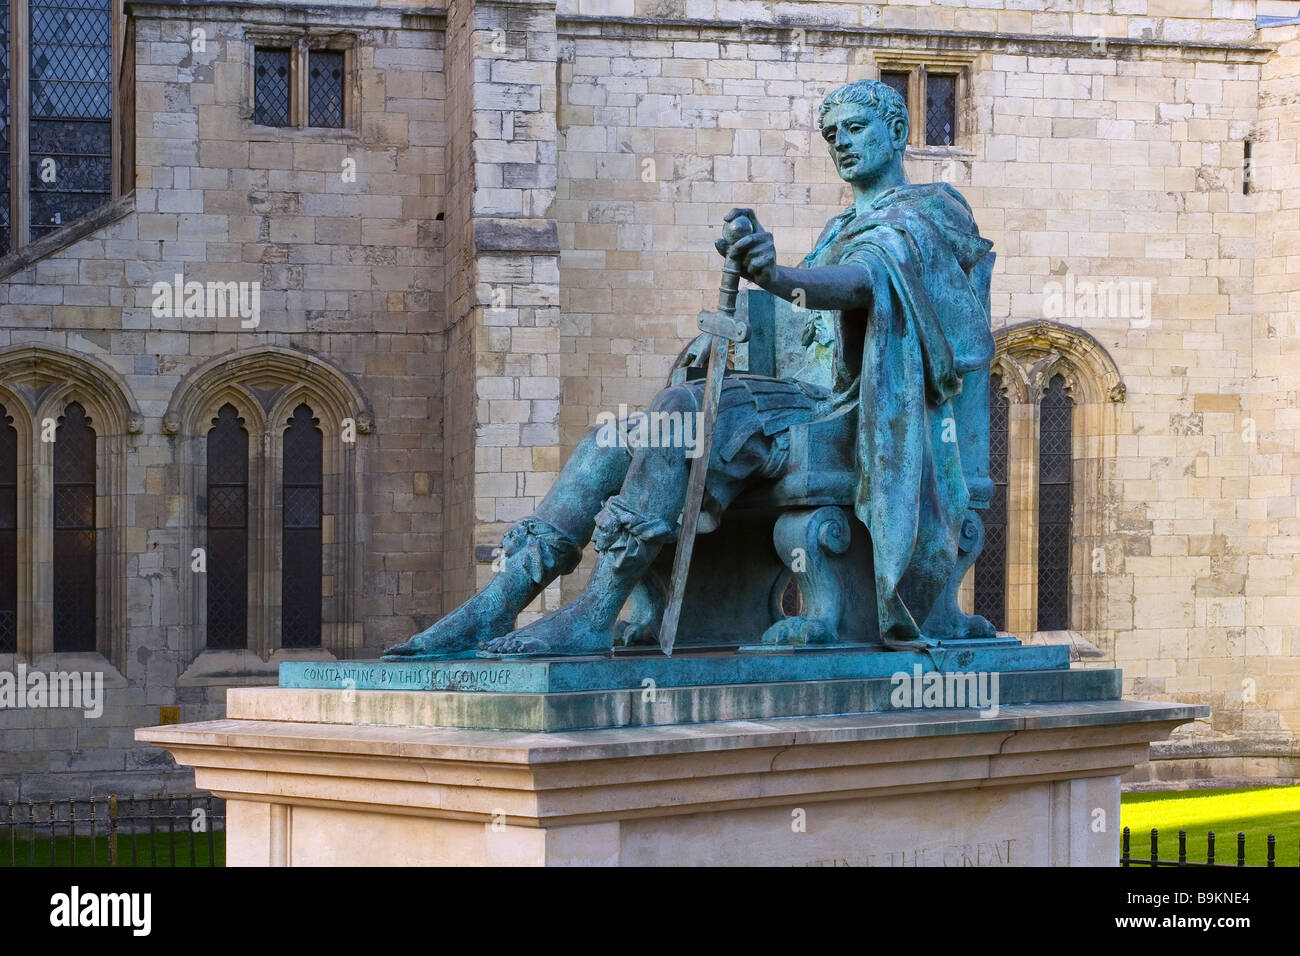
{"x": 1257, "y": 812}
{"x": 24, "y": 854}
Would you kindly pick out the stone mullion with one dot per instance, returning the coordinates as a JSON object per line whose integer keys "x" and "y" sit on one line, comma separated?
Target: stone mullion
{"x": 1022, "y": 518}
{"x": 19, "y": 110}
{"x": 268, "y": 535}
{"x": 34, "y": 625}
{"x": 42, "y": 514}
{"x": 298, "y": 84}
{"x": 111, "y": 545}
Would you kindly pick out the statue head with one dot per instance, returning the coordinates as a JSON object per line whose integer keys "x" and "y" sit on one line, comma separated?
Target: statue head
{"x": 865, "y": 126}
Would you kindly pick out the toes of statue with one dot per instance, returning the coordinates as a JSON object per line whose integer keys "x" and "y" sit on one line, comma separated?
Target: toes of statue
{"x": 635, "y": 635}
{"x": 797, "y": 631}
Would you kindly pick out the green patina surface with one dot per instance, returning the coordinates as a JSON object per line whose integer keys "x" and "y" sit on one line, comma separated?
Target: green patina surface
{"x": 639, "y": 672}
{"x": 562, "y": 695}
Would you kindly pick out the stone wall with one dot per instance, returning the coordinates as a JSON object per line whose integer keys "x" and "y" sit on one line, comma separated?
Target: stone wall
{"x": 528, "y": 241}
{"x": 351, "y": 278}
{"x": 1107, "y": 146}
{"x": 503, "y": 385}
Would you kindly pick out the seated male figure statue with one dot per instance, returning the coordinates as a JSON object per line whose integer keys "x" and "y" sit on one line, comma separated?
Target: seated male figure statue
{"x": 890, "y": 299}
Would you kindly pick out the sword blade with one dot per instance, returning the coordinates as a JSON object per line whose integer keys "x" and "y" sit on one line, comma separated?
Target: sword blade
{"x": 694, "y": 495}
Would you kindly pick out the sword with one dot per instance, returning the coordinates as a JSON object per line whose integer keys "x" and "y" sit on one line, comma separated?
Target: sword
{"x": 723, "y": 328}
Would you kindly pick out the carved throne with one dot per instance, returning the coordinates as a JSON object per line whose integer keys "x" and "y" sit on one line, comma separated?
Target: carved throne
{"x": 790, "y": 564}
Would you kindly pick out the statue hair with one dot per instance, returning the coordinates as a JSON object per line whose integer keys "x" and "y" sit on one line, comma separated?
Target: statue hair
{"x": 882, "y": 100}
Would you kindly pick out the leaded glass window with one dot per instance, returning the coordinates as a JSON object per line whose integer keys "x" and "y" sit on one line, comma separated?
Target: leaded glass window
{"x": 301, "y": 558}
{"x": 991, "y": 566}
{"x": 896, "y": 82}
{"x": 8, "y": 534}
{"x": 1054, "y": 467}
{"x": 74, "y": 532}
{"x": 940, "y": 109}
{"x": 71, "y": 110}
{"x": 325, "y": 88}
{"x": 227, "y": 559}
{"x": 271, "y": 85}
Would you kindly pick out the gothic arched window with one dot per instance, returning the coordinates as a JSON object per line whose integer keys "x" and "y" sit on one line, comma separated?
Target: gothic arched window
{"x": 8, "y": 534}
{"x": 1054, "y": 401}
{"x": 74, "y": 532}
{"x": 302, "y": 576}
{"x": 301, "y": 562}
{"x": 227, "y": 557}
{"x": 991, "y": 566}
{"x": 1055, "y": 462}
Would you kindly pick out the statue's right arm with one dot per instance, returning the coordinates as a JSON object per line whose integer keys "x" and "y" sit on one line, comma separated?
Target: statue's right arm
{"x": 845, "y": 287}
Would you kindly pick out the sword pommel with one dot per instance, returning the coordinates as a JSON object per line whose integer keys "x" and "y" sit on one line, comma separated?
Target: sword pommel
{"x": 738, "y": 228}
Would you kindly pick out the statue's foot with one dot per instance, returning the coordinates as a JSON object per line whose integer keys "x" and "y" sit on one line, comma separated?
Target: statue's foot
{"x": 972, "y": 627}
{"x": 797, "y": 631}
{"x": 575, "y": 630}
{"x": 456, "y": 635}
{"x": 635, "y": 634}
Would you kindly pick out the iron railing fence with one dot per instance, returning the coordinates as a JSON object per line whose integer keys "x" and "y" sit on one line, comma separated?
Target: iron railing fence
{"x": 1126, "y": 857}
{"x": 108, "y": 831}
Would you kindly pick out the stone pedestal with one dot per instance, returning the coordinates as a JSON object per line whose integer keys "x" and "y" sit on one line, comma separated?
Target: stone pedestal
{"x": 327, "y": 776}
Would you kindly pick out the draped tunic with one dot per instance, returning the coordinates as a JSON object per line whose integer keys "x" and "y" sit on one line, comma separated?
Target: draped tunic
{"x": 901, "y": 361}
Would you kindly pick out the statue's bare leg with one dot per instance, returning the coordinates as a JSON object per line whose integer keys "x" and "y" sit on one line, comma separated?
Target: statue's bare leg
{"x": 630, "y": 531}
{"x": 536, "y": 551}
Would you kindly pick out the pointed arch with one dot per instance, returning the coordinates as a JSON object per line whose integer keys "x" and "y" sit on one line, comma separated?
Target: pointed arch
{"x": 265, "y": 385}
{"x": 39, "y": 383}
{"x": 1028, "y": 357}
{"x": 269, "y": 370}
{"x": 1041, "y": 350}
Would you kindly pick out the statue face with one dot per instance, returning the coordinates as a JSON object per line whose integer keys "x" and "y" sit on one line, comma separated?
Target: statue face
{"x": 860, "y": 144}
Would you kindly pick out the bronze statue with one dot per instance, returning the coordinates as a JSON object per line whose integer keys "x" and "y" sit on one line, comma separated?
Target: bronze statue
{"x": 892, "y": 303}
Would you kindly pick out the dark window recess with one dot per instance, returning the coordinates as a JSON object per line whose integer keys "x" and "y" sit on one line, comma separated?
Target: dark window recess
{"x": 896, "y": 82}
{"x": 271, "y": 86}
{"x": 940, "y": 109}
{"x": 5, "y": 119}
{"x": 1054, "y": 466}
{"x": 71, "y": 110}
{"x": 300, "y": 593}
{"x": 74, "y": 532}
{"x": 8, "y": 534}
{"x": 991, "y": 566}
{"x": 227, "y": 558}
{"x": 325, "y": 88}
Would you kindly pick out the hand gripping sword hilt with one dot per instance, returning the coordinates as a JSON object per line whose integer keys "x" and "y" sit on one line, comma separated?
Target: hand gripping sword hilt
{"x": 737, "y": 229}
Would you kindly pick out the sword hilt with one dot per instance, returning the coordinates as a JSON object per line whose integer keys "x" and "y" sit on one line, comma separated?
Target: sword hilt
{"x": 737, "y": 229}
